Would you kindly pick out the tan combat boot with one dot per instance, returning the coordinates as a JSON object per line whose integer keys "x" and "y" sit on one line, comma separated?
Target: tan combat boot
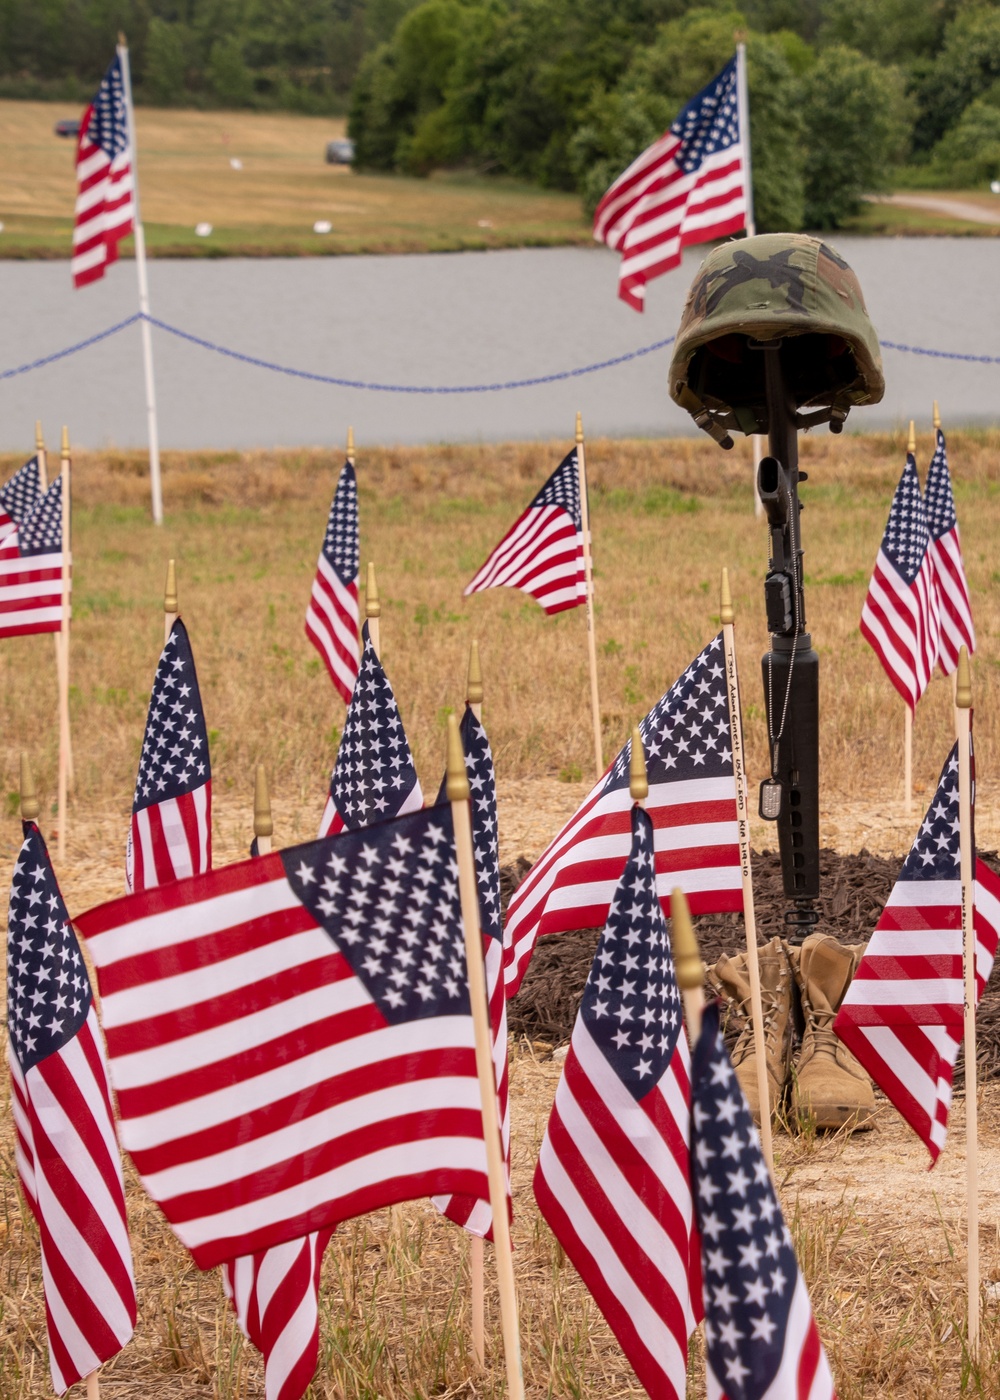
{"x": 731, "y": 975}
{"x": 829, "y": 1087}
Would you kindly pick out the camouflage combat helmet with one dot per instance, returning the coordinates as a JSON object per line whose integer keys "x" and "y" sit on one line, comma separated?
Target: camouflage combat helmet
{"x": 776, "y": 286}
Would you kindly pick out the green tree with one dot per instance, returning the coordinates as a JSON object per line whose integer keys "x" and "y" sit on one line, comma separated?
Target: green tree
{"x": 166, "y": 62}
{"x": 969, "y": 153}
{"x": 891, "y": 31}
{"x": 858, "y": 123}
{"x": 967, "y": 66}
{"x": 231, "y": 79}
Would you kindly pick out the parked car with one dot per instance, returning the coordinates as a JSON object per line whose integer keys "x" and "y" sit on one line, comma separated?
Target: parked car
{"x": 68, "y": 126}
{"x": 339, "y": 152}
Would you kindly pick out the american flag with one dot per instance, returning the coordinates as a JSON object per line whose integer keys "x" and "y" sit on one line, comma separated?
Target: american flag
{"x": 65, "y": 1148}
{"x": 171, "y": 832}
{"x": 19, "y": 496}
{"x": 692, "y": 802}
{"x": 31, "y": 564}
{"x": 104, "y": 206}
{"x": 950, "y": 586}
{"x": 373, "y": 777}
{"x": 332, "y": 615}
{"x": 760, "y": 1333}
{"x": 474, "y": 1214}
{"x": 275, "y": 1295}
{"x": 290, "y": 1038}
{"x": 613, "y": 1178}
{"x": 902, "y": 1015}
{"x": 542, "y": 552}
{"x": 899, "y": 619}
{"x": 688, "y": 187}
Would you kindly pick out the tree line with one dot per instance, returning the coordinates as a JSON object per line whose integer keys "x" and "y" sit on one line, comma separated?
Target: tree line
{"x": 845, "y": 95}
{"x": 301, "y": 55}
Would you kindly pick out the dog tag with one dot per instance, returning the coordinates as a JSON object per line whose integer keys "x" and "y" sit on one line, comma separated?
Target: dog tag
{"x": 770, "y": 799}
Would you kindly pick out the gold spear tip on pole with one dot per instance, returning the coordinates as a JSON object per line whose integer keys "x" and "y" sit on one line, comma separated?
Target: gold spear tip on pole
{"x": 726, "y": 608}
{"x": 373, "y": 608}
{"x": 687, "y": 959}
{"x": 262, "y": 823}
{"x": 64, "y": 450}
{"x": 39, "y": 439}
{"x": 457, "y": 786}
{"x": 30, "y": 806}
{"x": 350, "y": 442}
{"x": 937, "y": 415}
{"x": 911, "y": 441}
{"x": 963, "y": 680}
{"x": 474, "y": 684}
{"x": 638, "y": 782}
{"x": 579, "y": 426}
{"x": 122, "y": 44}
{"x": 170, "y": 590}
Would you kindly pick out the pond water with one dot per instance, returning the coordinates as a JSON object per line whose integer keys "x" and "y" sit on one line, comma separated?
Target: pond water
{"x": 440, "y": 320}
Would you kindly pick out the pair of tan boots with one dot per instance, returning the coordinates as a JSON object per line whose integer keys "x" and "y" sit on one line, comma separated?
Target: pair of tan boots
{"x": 803, "y": 985}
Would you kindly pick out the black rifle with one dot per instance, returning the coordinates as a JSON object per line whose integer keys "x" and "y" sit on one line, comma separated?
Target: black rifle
{"x": 791, "y": 668}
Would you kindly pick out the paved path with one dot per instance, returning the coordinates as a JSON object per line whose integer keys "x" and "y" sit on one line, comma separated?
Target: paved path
{"x": 941, "y": 204}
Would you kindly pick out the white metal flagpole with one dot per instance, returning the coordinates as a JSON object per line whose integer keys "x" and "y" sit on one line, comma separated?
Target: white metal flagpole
{"x": 140, "y": 264}
{"x": 743, "y": 112}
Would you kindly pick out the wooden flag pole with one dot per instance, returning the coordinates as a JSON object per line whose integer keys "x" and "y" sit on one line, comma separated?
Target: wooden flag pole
{"x": 588, "y": 570}
{"x": 963, "y": 703}
{"x": 477, "y": 1248}
{"x": 749, "y": 914}
{"x": 350, "y": 444}
{"x": 93, "y": 1386}
{"x": 63, "y": 677}
{"x": 911, "y": 449}
{"x": 687, "y": 964}
{"x": 936, "y": 416}
{"x": 171, "y": 609}
{"x": 373, "y": 610}
{"x": 58, "y": 638}
{"x": 458, "y": 796}
{"x": 155, "y": 488}
{"x": 263, "y": 826}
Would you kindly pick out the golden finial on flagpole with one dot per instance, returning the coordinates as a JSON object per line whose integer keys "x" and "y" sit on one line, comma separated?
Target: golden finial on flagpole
{"x": 687, "y": 960}
{"x": 963, "y": 680}
{"x": 474, "y": 683}
{"x": 122, "y": 43}
{"x": 30, "y": 806}
{"x": 911, "y": 441}
{"x": 726, "y": 610}
{"x": 64, "y": 449}
{"x": 457, "y": 789}
{"x": 579, "y": 426}
{"x": 638, "y": 782}
{"x": 263, "y": 826}
{"x": 39, "y": 439}
{"x": 350, "y": 444}
{"x": 937, "y": 415}
{"x": 170, "y": 591}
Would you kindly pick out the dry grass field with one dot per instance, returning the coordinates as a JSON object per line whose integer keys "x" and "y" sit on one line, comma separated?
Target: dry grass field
{"x": 268, "y": 206}
{"x": 881, "y": 1240}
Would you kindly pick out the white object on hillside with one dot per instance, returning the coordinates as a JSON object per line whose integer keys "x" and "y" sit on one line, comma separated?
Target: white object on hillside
{"x": 322, "y": 226}
{"x": 203, "y": 230}
{"x": 235, "y": 162}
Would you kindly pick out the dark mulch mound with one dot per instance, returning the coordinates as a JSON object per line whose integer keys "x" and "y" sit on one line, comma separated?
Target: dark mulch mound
{"x": 855, "y": 888}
